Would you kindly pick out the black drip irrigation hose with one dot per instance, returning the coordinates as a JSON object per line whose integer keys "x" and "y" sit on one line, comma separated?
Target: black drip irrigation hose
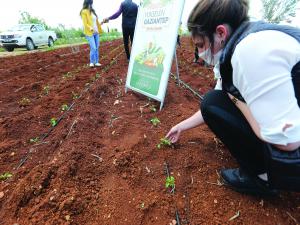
{"x": 167, "y": 172}
{"x": 44, "y": 136}
{"x": 180, "y": 82}
{"x": 177, "y": 217}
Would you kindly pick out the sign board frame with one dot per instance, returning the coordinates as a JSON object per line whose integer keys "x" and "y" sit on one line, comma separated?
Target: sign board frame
{"x": 154, "y": 47}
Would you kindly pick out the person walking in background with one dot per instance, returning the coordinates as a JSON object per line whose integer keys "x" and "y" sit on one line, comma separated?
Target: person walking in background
{"x": 179, "y": 34}
{"x": 91, "y": 28}
{"x": 256, "y": 114}
{"x": 129, "y": 11}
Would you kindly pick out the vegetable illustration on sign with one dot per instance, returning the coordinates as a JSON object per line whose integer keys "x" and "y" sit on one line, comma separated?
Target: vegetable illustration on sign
{"x": 148, "y": 68}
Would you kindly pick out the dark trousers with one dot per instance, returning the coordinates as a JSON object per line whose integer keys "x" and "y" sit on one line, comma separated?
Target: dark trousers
{"x": 128, "y": 32}
{"x": 196, "y": 52}
{"x": 231, "y": 127}
{"x": 253, "y": 155}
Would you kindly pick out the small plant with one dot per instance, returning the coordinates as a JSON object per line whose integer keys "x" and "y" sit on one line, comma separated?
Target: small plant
{"x": 34, "y": 140}
{"x": 97, "y": 75}
{"x": 170, "y": 183}
{"x": 5, "y": 176}
{"x": 164, "y": 142}
{"x": 67, "y": 75}
{"x": 64, "y": 107}
{"x": 46, "y": 90}
{"x": 24, "y": 101}
{"x": 152, "y": 108}
{"x": 155, "y": 121}
{"x": 53, "y": 122}
{"x": 75, "y": 95}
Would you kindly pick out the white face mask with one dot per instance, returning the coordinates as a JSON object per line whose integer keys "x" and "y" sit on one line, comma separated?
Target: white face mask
{"x": 209, "y": 58}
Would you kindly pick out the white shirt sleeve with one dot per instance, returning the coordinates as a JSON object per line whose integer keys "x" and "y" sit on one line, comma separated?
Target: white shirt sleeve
{"x": 262, "y": 64}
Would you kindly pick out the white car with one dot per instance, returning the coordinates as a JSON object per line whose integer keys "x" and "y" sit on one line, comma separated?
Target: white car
{"x": 27, "y": 35}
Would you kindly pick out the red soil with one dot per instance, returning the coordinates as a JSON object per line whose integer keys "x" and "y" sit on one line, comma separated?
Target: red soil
{"x": 100, "y": 165}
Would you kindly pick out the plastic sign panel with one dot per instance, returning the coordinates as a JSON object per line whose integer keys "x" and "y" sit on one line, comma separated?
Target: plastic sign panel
{"x": 154, "y": 46}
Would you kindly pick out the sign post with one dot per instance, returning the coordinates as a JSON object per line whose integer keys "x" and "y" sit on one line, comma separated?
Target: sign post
{"x": 153, "y": 47}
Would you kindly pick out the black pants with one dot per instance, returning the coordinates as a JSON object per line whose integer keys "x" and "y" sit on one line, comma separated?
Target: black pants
{"x": 128, "y": 32}
{"x": 196, "y": 52}
{"x": 231, "y": 127}
{"x": 253, "y": 155}
{"x": 178, "y": 40}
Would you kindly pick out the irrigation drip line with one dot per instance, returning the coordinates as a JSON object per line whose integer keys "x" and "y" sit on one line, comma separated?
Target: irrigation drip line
{"x": 188, "y": 87}
{"x": 167, "y": 171}
{"x": 177, "y": 217}
{"x": 44, "y": 136}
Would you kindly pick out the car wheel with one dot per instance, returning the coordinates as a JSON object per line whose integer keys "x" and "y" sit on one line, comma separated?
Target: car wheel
{"x": 9, "y": 49}
{"x": 29, "y": 45}
{"x": 50, "y": 42}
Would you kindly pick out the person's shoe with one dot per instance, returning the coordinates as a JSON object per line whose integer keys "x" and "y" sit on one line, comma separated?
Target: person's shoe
{"x": 92, "y": 65}
{"x": 195, "y": 61}
{"x": 98, "y": 64}
{"x": 241, "y": 182}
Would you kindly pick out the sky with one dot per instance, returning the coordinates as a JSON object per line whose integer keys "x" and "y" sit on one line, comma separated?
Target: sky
{"x": 66, "y": 12}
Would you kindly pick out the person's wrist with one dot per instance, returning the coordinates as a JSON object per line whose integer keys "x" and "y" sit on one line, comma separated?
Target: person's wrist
{"x": 179, "y": 127}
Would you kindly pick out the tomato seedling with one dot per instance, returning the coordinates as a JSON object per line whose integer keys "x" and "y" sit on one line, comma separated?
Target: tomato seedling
{"x": 67, "y": 75}
{"x": 5, "y": 176}
{"x": 53, "y": 122}
{"x": 75, "y": 95}
{"x": 24, "y": 101}
{"x": 34, "y": 140}
{"x": 164, "y": 142}
{"x": 152, "y": 108}
{"x": 64, "y": 107}
{"x": 170, "y": 183}
{"x": 155, "y": 121}
{"x": 46, "y": 90}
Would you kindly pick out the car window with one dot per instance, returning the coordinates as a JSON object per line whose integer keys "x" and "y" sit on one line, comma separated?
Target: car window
{"x": 40, "y": 28}
{"x": 33, "y": 28}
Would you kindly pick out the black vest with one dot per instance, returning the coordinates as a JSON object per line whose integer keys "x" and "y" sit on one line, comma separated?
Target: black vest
{"x": 243, "y": 31}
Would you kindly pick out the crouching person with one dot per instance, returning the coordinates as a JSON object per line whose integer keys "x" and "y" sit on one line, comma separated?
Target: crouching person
{"x": 257, "y": 112}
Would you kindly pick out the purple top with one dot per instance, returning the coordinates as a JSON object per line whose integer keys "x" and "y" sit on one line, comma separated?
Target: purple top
{"x": 116, "y": 15}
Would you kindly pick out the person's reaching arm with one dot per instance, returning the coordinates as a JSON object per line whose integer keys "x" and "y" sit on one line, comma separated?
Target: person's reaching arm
{"x": 114, "y": 16}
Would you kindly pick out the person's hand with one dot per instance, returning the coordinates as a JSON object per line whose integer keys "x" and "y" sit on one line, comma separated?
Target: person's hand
{"x": 105, "y": 20}
{"x": 174, "y": 133}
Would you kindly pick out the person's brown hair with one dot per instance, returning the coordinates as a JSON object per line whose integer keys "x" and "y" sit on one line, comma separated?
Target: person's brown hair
{"x": 208, "y": 14}
{"x": 87, "y": 4}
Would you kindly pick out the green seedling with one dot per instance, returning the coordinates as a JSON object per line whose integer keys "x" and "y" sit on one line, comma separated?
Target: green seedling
{"x": 170, "y": 183}
{"x": 67, "y": 75}
{"x": 155, "y": 121}
{"x": 97, "y": 75}
{"x": 24, "y": 101}
{"x": 5, "y": 176}
{"x": 53, "y": 122}
{"x": 64, "y": 107}
{"x": 164, "y": 142}
{"x": 34, "y": 140}
{"x": 75, "y": 95}
{"x": 152, "y": 108}
{"x": 46, "y": 90}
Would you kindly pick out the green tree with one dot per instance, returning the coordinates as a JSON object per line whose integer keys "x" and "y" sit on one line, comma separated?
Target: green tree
{"x": 275, "y": 11}
{"x": 27, "y": 18}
